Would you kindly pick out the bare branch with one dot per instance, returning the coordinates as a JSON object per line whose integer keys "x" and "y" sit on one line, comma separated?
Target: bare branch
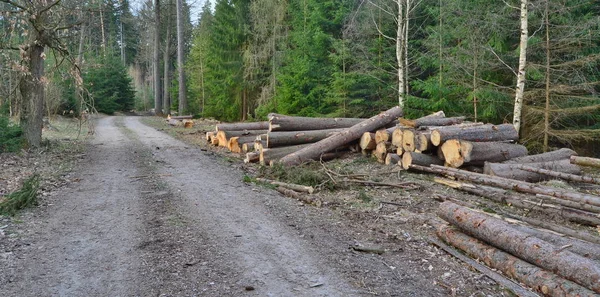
{"x": 13, "y": 4}
{"x": 500, "y": 59}
{"x": 49, "y": 6}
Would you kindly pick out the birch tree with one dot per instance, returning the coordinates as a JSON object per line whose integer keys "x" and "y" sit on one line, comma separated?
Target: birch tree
{"x": 521, "y": 71}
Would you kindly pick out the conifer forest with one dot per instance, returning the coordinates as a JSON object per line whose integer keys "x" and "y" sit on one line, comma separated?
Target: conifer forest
{"x": 533, "y": 63}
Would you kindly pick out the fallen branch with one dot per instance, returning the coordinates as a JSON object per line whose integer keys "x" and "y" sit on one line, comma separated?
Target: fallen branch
{"x": 295, "y": 187}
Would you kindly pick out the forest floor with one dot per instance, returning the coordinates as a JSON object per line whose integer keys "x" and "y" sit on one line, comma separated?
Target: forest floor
{"x": 142, "y": 211}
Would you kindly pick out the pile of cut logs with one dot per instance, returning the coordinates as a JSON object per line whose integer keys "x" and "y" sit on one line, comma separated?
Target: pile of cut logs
{"x": 293, "y": 140}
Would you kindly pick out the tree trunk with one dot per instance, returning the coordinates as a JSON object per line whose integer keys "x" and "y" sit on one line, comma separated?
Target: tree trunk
{"x": 585, "y": 161}
{"x": 400, "y": 43}
{"x": 287, "y": 138}
{"x": 290, "y": 123}
{"x": 340, "y": 139}
{"x": 156, "y": 60}
{"x": 33, "y": 96}
{"x": 434, "y": 121}
{"x": 235, "y": 143}
{"x": 521, "y": 71}
{"x": 166, "y": 100}
{"x": 519, "y": 200}
{"x": 531, "y": 249}
{"x": 252, "y": 157}
{"x": 534, "y": 277}
{"x": 224, "y": 136}
{"x": 514, "y": 171}
{"x": 274, "y": 154}
{"x": 547, "y": 91}
{"x": 183, "y": 106}
{"x": 480, "y": 133}
{"x": 510, "y": 184}
{"x": 563, "y": 153}
{"x": 242, "y": 126}
{"x": 458, "y": 152}
{"x": 413, "y": 158}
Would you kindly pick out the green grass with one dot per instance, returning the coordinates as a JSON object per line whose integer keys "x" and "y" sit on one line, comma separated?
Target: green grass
{"x": 23, "y": 198}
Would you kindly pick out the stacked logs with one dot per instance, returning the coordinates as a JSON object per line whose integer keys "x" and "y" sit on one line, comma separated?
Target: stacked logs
{"x": 545, "y": 262}
{"x": 180, "y": 121}
{"x": 293, "y": 140}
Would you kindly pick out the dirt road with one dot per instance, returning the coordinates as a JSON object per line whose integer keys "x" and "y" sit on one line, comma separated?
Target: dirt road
{"x": 150, "y": 216}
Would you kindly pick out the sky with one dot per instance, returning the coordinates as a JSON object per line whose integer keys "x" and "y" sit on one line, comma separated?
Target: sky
{"x": 196, "y": 7}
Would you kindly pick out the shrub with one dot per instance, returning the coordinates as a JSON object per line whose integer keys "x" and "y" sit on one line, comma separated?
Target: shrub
{"x": 11, "y": 136}
{"x": 23, "y": 198}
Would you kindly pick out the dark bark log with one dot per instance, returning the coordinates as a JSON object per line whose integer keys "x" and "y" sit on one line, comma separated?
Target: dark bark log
{"x": 563, "y": 153}
{"x": 392, "y": 159}
{"x": 560, "y": 229}
{"x": 224, "y": 136}
{"x": 522, "y": 201}
{"x": 532, "y": 276}
{"x": 353, "y": 133}
{"x": 274, "y": 154}
{"x": 33, "y": 95}
{"x": 411, "y": 123}
{"x": 438, "y": 121}
{"x": 423, "y": 142}
{"x": 287, "y": 138}
{"x": 413, "y": 158}
{"x": 542, "y": 199}
{"x": 498, "y": 233}
{"x": 252, "y": 157}
{"x": 476, "y": 153}
{"x": 514, "y": 171}
{"x": 510, "y": 184}
{"x": 481, "y": 133}
{"x": 280, "y": 122}
{"x": 585, "y": 161}
{"x": 242, "y": 126}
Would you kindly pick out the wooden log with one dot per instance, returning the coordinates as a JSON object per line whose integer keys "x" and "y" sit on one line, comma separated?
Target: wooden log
{"x": 287, "y": 138}
{"x": 408, "y": 140}
{"x": 188, "y": 124}
{"x": 252, "y": 157}
{"x": 477, "y": 153}
{"x": 562, "y": 175}
{"x": 437, "y": 121}
{"x": 280, "y": 122}
{"x": 308, "y": 199}
{"x": 481, "y": 133}
{"x": 563, "y": 153}
{"x": 411, "y": 123}
{"x": 514, "y": 171}
{"x": 367, "y": 142}
{"x": 235, "y": 143}
{"x": 209, "y": 136}
{"x": 519, "y": 200}
{"x": 242, "y": 126}
{"x": 511, "y": 184}
{"x": 274, "y": 154}
{"x": 381, "y": 150}
{"x": 340, "y": 139}
{"x": 392, "y": 159}
{"x": 384, "y": 135}
{"x": 413, "y": 158}
{"x": 224, "y": 136}
{"x": 540, "y": 280}
{"x": 498, "y": 233}
{"x": 560, "y": 229}
{"x": 542, "y": 199}
{"x": 184, "y": 117}
{"x": 585, "y": 161}
{"x": 248, "y": 147}
{"x": 324, "y": 157}
{"x": 295, "y": 187}
{"x": 174, "y": 123}
{"x": 214, "y": 140}
{"x": 423, "y": 142}
{"x": 451, "y": 153}
{"x": 397, "y": 137}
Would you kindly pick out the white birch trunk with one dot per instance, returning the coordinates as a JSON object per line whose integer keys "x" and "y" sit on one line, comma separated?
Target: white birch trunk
{"x": 522, "y": 62}
{"x": 400, "y": 53}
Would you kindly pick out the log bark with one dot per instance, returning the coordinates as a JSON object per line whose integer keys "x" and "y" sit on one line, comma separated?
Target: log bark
{"x": 248, "y": 147}
{"x": 280, "y": 122}
{"x": 353, "y": 133}
{"x": 585, "y": 161}
{"x": 411, "y": 123}
{"x": 295, "y": 187}
{"x": 184, "y": 117}
{"x": 392, "y": 159}
{"x": 224, "y": 136}
{"x": 560, "y": 229}
{"x": 423, "y": 142}
{"x": 384, "y": 135}
{"x": 367, "y": 142}
{"x": 287, "y": 138}
{"x": 498, "y": 233}
{"x": 252, "y": 157}
{"x": 437, "y": 121}
{"x": 562, "y": 175}
{"x": 515, "y": 171}
{"x": 563, "y": 153}
{"x": 413, "y": 158}
{"x": 298, "y": 196}
{"x": 510, "y": 184}
{"x": 481, "y": 133}
{"x": 532, "y": 276}
{"x": 242, "y": 126}
{"x": 175, "y": 123}
{"x": 542, "y": 199}
{"x": 521, "y": 201}
{"x": 274, "y": 154}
